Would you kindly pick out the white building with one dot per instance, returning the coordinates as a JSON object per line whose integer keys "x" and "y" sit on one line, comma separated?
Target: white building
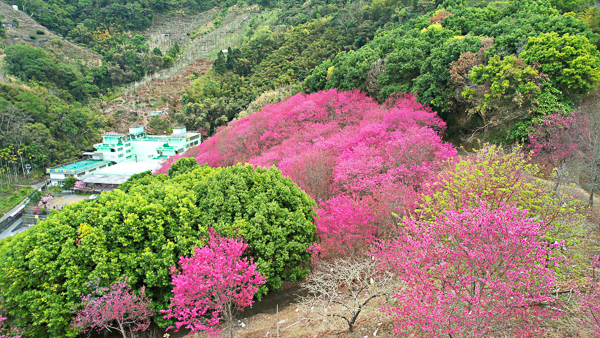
{"x": 126, "y": 155}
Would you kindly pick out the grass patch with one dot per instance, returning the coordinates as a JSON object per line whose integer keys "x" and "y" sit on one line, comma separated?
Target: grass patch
{"x": 10, "y": 197}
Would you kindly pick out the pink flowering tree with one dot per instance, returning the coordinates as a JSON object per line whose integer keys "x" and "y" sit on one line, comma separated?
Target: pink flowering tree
{"x": 79, "y": 185}
{"x": 346, "y": 226}
{"x": 345, "y": 150}
{"x": 212, "y": 284}
{"x": 550, "y": 141}
{"x": 38, "y": 208}
{"x": 472, "y": 273}
{"x": 44, "y": 203}
{"x": 570, "y": 143}
{"x": 114, "y": 308}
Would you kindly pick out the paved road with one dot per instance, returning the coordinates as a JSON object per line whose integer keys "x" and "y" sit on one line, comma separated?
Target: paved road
{"x": 12, "y": 230}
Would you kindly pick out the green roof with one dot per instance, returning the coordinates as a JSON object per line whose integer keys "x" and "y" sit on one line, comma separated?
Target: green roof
{"x": 78, "y": 166}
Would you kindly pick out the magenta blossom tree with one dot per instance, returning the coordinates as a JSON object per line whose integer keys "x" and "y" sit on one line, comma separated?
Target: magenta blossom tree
{"x": 470, "y": 274}
{"x": 211, "y": 285}
{"x": 115, "y": 308}
{"x": 348, "y": 152}
{"x": 570, "y": 143}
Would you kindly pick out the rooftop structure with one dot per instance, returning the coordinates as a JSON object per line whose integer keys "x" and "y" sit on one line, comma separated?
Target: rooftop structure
{"x": 75, "y": 169}
{"x": 121, "y": 155}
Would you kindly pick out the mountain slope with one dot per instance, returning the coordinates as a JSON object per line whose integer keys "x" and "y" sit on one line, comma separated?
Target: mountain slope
{"x": 63, "y": 49}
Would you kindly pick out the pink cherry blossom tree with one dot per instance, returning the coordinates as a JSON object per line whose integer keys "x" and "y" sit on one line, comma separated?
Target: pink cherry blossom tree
{"x": 348, "y": 152}
{"x": 79, "y": 185}
{"x": 115, "y": 308}
{"x": 212, "y": 284}
{"x": 589, "y": 300}
{"x": 472, "y": 273}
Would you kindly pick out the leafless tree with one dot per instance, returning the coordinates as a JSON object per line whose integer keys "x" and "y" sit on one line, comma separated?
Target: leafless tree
{"x": 342, "y": 289}
{"x": 588, "y": 138}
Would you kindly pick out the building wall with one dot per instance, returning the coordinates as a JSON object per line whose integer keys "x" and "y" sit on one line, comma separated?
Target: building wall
{"x": 144, "y": 149}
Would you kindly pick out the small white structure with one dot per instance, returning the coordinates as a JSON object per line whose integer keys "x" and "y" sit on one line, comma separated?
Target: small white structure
{"x": 15, "y": 7}
{"x": 156, "y": 113}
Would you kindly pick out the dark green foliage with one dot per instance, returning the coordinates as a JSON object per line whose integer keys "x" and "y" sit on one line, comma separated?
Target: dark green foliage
{"x": 570, "y": 5}
{"x": 418, "y": 57}
{"x": 69, "y": 183}
{"x": 183, "y": 166}
{"x": 31, "y": 63}
{"x": 142, "y": 233}
{"x": 40, "y": 32}
{"x": 220, "y": 65}
{"x": 44, "y": 126}
{"x": 206, "y": 115}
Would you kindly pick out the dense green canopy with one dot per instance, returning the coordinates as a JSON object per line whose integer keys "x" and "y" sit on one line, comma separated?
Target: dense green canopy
{"x": 434, "y": 55}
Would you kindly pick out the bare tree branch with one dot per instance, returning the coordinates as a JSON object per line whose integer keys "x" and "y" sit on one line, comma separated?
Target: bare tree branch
{"x": 342, "y": 289}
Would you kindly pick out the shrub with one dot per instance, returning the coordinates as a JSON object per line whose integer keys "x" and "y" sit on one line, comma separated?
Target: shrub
{"x": 40, "y": 32}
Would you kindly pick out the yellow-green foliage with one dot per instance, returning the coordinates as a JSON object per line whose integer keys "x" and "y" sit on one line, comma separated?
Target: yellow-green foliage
{"x": 495, "y": 177}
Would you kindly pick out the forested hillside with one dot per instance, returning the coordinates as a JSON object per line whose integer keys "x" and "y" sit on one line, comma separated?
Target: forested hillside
{"x": 430, "y": 53}
{"x": 493, "y": 67}
{"x": 279, "y": 57}
{"x": 328, "y": 174}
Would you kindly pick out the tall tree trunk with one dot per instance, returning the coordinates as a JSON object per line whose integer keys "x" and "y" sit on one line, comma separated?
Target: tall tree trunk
{"x": 123, "y": 332}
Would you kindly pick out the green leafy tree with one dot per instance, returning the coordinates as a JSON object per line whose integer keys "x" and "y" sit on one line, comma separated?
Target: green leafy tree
{"x": 69, "y": 183}
{"x": 271, "y": 213}
{"x": 183, "y": 166}
{"x": 2, "y": 29}
{"x": 496, "y": 177}
{"x": 570, "y": 61}
{"x": 508, "y": 89}
{"x": 220, "y": 65}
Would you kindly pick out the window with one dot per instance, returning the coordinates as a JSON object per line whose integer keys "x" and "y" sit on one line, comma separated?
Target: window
{"x": 120, "y": 155}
